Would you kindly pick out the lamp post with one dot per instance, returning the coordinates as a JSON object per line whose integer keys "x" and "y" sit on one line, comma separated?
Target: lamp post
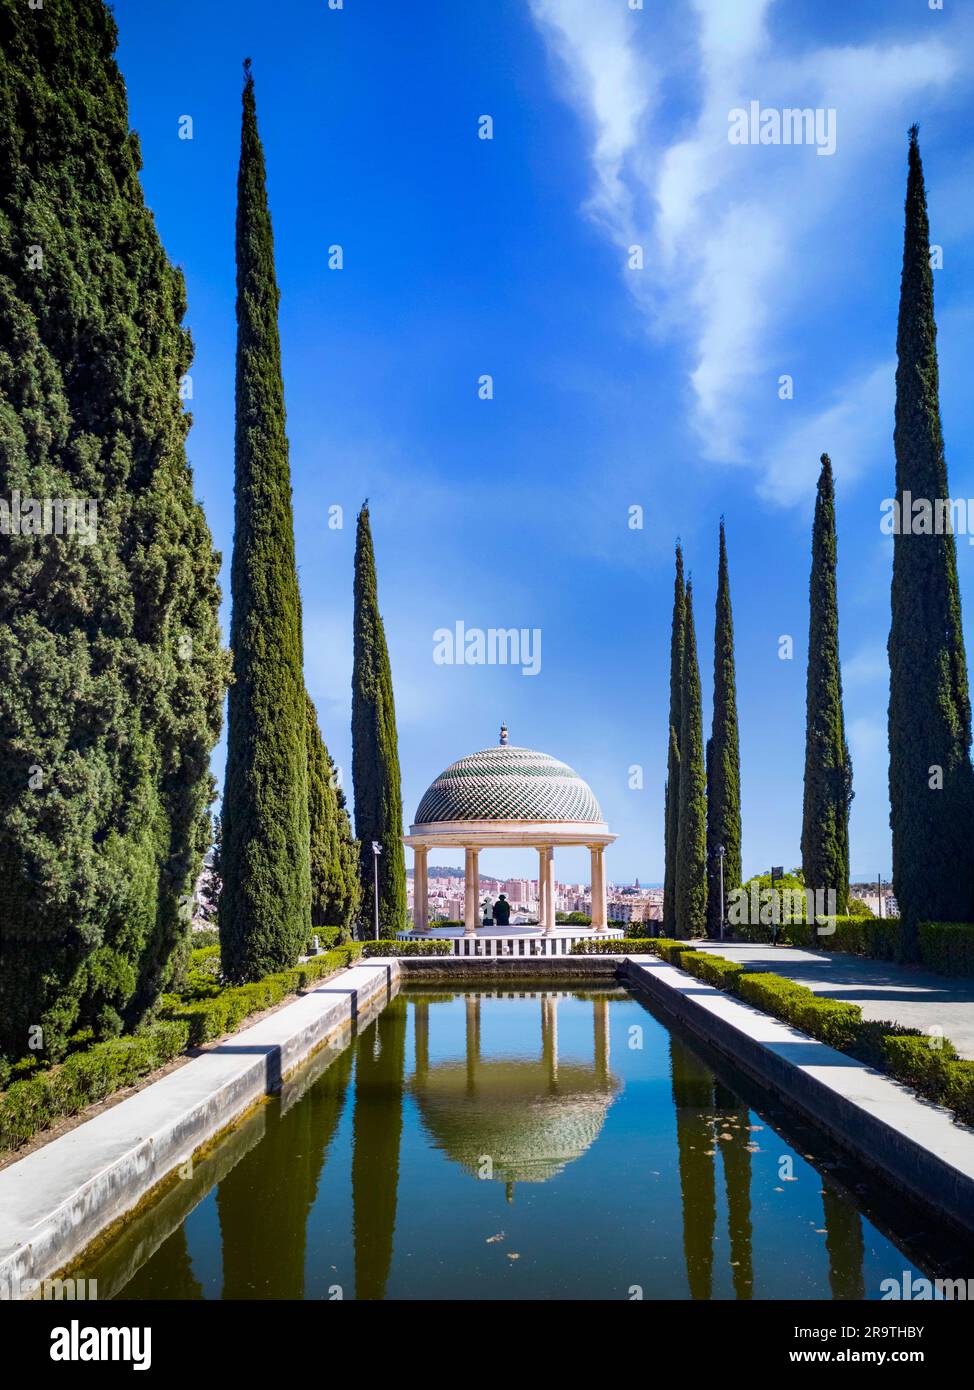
{"x": 721, "y": 851}
{"x": 376, "y": 851}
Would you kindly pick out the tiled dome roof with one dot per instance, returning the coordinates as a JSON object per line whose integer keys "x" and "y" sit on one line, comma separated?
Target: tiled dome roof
{"x": 505, "y": 783}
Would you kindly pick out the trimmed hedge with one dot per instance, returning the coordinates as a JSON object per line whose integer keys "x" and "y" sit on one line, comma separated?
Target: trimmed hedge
{"x": 927, "y": 1063}
{"x": 27, "y": 1107}
{"x": 948, "y": 947}
{"x": 431, "y": 947}
{"x": 714, "y": 970}
{"x": 614, "y": 946}
{"x": 221, "y": 1010}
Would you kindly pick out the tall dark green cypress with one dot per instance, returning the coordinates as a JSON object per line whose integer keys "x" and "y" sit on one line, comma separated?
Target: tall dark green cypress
{"x": 930, "y": 782}
{"x": 671, "y": 804}
{"x": 335, "y": 889}
{"x": 691, "y": 843}
{"x": 376, "y": 784}
{"x": 828, "y": 767}
{"x": 265, "y": 906}
{"x": 111, "y": 673}
{"x": 723, "y": 757}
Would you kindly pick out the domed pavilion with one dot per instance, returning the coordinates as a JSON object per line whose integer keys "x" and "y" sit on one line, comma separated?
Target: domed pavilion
{"x": 508, "y": 797}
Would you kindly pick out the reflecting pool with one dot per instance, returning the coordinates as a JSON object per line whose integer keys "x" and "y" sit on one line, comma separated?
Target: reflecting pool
{"x": 528, "y": 1143}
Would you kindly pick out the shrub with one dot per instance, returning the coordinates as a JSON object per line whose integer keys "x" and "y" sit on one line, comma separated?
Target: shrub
{"x": 614, "y": 946}
{"x": 913, "y": 1058}
{"x": 948, "y": 947}
{"x": 407, "y": 948}
{"x": 668, "y": 949}
{"x": 713, "y": 970}
{"x": 959, "y": 1090}
{"x": 327, "y": 938}
{"x": 858, "y": 908}
{"x": 642, "y": 931}
{"x": 30, "y": 1106}
{"x": 202, "y": 937}
{"x": 220, "y": 1012}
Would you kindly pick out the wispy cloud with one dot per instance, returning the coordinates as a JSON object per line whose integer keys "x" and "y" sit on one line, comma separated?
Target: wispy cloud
{"x": 742, "y": 242}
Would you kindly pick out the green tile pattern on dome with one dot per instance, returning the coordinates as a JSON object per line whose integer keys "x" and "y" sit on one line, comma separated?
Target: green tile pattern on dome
{"x": 505, "y": 783}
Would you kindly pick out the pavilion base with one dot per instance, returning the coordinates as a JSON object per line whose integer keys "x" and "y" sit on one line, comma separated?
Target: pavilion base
{"x": 511, "y": 941}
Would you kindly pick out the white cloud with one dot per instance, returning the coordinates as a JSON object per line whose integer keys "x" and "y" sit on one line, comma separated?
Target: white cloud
{"x": 740, "y": 240}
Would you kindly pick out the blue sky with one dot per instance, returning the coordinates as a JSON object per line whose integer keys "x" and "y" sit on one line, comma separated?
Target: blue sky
{"x": 613, "y": 387}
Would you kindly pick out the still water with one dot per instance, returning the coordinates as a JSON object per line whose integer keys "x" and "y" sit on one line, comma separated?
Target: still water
{"x": 525, "y": 1144}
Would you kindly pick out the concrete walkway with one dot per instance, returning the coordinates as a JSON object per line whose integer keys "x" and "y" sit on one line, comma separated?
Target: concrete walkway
{"x": 903, "y": 994}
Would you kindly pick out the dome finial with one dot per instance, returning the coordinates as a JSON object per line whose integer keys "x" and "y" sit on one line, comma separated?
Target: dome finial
{"x": 503, "y": 735}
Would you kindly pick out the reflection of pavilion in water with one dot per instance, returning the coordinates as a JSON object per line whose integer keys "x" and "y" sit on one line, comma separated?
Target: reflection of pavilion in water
{"x": 514, "y": 1119}
{"x": 532, "y": 1118}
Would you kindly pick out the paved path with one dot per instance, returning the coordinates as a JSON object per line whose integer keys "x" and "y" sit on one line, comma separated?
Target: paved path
{"x": 903, "y": 993}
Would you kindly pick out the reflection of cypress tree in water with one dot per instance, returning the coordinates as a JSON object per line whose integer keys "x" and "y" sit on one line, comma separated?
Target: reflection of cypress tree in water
{"x": 169, "y": 1274}
{"x": 843, "y": 1240}
{"x": 379, "y": 1067}
{"x": 693, "y": 1099}
{"x": 265, "y": 1200}
{"x": 737, "y": 1179}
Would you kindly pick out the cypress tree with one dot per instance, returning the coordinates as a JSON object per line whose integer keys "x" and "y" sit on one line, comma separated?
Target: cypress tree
{"x": 930, "y": 779}
{"x": 828, "y": 767}
{"x": 723, "y": 757}
{"x": 112, "y": 675}
{"x": 691, "y": 844}
{"x": 375, "y": 749}
{"x": 265, "y": 906}
{"x": 671, "y": 805}
{"x": 335, "y": 890}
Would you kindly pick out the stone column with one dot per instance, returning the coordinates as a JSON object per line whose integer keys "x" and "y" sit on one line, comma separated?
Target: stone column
{"x": 471, "y": 891}
{"x": 549, "y": 918}
{"x": 542, "y": 883}
{"x": 598, "y": 887}
{"x": 420, "y": 890}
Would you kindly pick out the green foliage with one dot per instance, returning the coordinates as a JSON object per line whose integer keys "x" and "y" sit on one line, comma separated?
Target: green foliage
{"x": 222, "y": 1009}
{"x": 430, "y": 947}
{"x": 948, "y": 947}
{"x": 671, "y": 809}
{"x": 929, "y": 704}
{"x": 929, "y": 1064}
{"x": 375, "y": 748}
{"x": 327, "y": 937}
{"x": 712, "y": 969}
{"x": 789, "y": 905}
{"x": 265, "y": 905}
{"x": 113, "y": 676}
{"x": 691, "y": 843}
{"x": 615, "y": 946}
{"x": 335, "y": 888}
{"x": 857, "y": 908}
{"x": 828, "y": 767}
{"x": 30, "y": 1106}
{"x": 723, "y": 757}
{"x": 668, "y": 949}
{"x": 574, "y": 919}
{"x": 204, "y": 937}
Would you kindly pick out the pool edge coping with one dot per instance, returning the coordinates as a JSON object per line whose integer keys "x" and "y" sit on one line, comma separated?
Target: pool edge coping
{"x": 61, "y": 1198}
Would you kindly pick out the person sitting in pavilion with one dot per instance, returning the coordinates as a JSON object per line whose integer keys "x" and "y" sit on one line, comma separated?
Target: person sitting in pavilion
{"x": 502, "y": 911}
